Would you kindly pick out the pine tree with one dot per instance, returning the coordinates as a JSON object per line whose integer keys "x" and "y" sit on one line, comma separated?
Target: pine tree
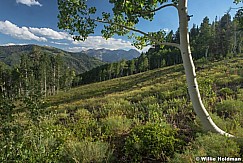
{"x": 205, "y": 37}
{"x": 225, "y": 34}
{"x": 141, "y": 62}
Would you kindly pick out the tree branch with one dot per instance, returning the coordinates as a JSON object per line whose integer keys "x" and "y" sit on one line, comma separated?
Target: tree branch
{"x": 233, "y": 8}
{"x": 141, "y": 32}
{"x": 157, "y": 9}
{"x": 161, "y": 7}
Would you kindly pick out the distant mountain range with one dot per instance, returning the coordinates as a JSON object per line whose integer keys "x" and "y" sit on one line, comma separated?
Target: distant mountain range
{"x": 112, "y": 55}
{"x": 80, "y": 62}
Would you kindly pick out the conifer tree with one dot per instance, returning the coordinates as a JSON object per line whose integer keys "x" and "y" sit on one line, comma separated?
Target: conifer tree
{"x": 205, "y": 37}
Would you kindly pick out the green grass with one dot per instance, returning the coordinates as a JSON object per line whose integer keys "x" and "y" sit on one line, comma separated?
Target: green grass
{"x": 165, "y": 84}
{"x": 107, "y": 116}
{"x": 159, "y": 95}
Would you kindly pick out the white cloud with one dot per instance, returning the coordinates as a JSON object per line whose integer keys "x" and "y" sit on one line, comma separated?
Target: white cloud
{"x": 29, "y": 2}
{"x": 51, "y": 36}
{"x": 13, "y": 30}
{"x": 49, "y": 33}
{"x": 9, "y": 44}
{"x": 98, "y": 42}
{"x": 59, "y": 43}
{"x": 76, "y": 49}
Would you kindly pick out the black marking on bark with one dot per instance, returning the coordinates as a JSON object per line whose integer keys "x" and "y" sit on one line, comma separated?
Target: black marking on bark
{"x": 208, "y": 117}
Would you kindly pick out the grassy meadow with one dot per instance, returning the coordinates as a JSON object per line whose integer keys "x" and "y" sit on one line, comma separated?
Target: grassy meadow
{"x": 146, "y": 117}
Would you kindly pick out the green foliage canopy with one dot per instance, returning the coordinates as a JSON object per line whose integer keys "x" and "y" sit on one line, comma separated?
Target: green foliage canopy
{"x": 237, "y": 1}
{"x": 80, "y": 20}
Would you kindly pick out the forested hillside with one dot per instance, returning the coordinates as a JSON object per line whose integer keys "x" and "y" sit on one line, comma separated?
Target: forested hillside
{"x": 79, "y": 62}
{"x": 39, "y": 70}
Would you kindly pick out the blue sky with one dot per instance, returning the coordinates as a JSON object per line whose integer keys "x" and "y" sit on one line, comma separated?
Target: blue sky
{"x": 35, "y": 22}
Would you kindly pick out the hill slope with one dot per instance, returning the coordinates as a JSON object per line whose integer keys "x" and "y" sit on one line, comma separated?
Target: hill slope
{"x": 125, "y": 105}
{"x": 80, "y": 62}
{"x": 222, "y": 73}
{"x": 164, "y": 87}
{"x": 145, "y": 117}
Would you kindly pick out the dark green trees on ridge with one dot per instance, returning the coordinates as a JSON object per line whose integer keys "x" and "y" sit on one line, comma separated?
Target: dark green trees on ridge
{"x": 211, "y": 40}
{"x": 37, "y": 73}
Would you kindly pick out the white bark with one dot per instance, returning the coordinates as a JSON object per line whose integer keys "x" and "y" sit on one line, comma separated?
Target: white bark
{"x": 189, "y": 67}
{"x": 54, "y": 80}
{"x": 45, "y": 83}
{"x": 206, "y": 52}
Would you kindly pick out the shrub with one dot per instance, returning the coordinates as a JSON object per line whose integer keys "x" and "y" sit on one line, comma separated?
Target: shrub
{"x": 212, "y": 145}
{"x": 86, "y": 152}
{"x": 229, "y": 108}
{"x": 225, "y": 92}
{"x": 202, "y": 61}
{"x": 115, "y": 125}
{"x": 41, "y": 143}
{"x": 150, "y": 142}
{"x": 240, "y": 94}
{"x": 205, "y": 87}
{"x": 224, "y": 124}
{"x": 216, "y": 145}
{"x": 85, "y": 128}
{"x": 118, "y": 106}
{"x": 82, "y": 114}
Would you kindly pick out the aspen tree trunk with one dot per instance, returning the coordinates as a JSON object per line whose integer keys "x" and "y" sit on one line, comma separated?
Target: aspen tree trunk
{"x": 235, "y": 41}
{"x": 239, "y": 46}
{"x": 19, "y": 88}
{"x": 58, "y": 78}
{"x": 45, "y": 87}
{"x": 26, "y": 81}
{"x": 54, "y": 80}
{"x": 189, "y": 67}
